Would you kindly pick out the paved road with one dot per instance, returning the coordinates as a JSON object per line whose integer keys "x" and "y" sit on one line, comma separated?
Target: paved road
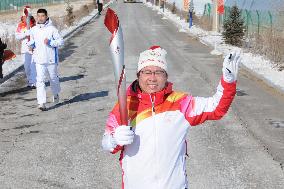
{"x": 60, "y": 148}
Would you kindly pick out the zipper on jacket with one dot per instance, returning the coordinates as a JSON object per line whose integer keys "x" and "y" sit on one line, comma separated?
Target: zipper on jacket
{"x": 153, "y": 104}
{"x": 155, "y": 140}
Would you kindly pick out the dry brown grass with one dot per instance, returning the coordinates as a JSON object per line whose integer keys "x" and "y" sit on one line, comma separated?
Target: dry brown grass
{"x": 64, "y": 21}
{"x": 203, "y": 22}
{"x": 83, "y": 11}
{"x": 270, "y": 43}
{"x": 70, "y": 17}
{"x": 171, "y": 7}
{"x": 58, "y": 22}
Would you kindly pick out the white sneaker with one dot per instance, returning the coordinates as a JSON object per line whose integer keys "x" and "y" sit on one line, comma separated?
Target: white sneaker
{"x": 31, "y": 86}
{"x": 56, "y": 99}
{"x": 42, "y": 107}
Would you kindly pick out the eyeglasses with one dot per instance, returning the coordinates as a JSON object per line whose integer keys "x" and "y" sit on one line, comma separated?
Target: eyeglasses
{"x": 156, "y": 73}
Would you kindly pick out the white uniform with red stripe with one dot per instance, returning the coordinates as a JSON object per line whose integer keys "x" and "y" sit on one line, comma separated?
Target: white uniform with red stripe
{"x": 156, "y": 158}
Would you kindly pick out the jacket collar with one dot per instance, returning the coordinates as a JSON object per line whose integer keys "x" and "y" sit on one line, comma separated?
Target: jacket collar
{"x": 46, "y": 23}
{"x": 145, "y": 98}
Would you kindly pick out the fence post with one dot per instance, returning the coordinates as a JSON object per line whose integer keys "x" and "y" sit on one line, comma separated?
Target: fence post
{"x": 205, "y": 8}
{"x": 209, "y": 10}
{"x": 270, "y": 19}
{"x": 258, "y": 22}
{"x": 247, "y": 21}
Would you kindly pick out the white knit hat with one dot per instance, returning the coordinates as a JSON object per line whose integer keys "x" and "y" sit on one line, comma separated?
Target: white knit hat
{"x": 155, "y": 56}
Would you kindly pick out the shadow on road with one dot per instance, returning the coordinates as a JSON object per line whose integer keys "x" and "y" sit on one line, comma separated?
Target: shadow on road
{"x": 26, "y": 89}
{"x": 80, "y": 98}
{"x": 71, "y": 78}
{"x": 67, "y": 51}
{"x": 241, "y": 92}
{"x": 21, "y": 90}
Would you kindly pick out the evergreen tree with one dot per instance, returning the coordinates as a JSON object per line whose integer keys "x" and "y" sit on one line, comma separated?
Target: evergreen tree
{"x": 234, "y": 27}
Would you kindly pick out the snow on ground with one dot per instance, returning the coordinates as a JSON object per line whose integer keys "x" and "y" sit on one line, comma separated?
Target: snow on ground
{"x": 12, "y": 65}
{"x": 257, "y": 64}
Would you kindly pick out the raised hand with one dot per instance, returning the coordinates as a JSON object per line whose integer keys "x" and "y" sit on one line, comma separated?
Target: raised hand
{"x": 231, "y": 67}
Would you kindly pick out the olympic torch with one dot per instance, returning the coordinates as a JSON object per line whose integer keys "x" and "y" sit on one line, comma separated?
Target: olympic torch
{"x": 117, "y": 54}
{"x": 27, "y": 12}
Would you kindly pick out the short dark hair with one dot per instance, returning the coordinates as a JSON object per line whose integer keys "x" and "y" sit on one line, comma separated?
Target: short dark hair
{"x": 42, "y": 11}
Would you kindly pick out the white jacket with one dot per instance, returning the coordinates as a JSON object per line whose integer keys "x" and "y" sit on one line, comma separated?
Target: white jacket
{"x": 156, "y": 158}
{"x": 45, "y": 53}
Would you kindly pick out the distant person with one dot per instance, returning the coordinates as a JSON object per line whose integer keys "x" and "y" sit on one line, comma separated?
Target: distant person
{"x": 3, "y": 46}
{"x": 44, "y": 41}
{"x": 23, "y": 34}
{"x": 153, "y": 145}
{"x": 100, "y": 6}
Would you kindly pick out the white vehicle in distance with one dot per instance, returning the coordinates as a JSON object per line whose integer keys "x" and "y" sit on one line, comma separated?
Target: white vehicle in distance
{"x": 131, "y": 1}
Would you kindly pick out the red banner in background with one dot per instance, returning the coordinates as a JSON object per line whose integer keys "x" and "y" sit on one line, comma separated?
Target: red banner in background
{"x": 186, "y": 5}
{"x": 220, "y": 7}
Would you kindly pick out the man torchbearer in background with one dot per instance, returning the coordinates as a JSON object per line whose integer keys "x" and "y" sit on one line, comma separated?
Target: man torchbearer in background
{"x": 23, "y": 34}
{"x": 153, "y": 145}
{"x": 45, "y": 40}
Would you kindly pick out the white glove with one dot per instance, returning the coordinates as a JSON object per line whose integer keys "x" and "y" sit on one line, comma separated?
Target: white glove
{"x": 231, "y": 67}
{"x": 123, "y": 135}
{"x": 27, "y": 33}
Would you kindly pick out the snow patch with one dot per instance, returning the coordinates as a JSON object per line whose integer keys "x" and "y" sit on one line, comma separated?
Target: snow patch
{"x": 216, "y": 52}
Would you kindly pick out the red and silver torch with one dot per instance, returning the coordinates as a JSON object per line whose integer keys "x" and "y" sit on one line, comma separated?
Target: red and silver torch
{"x": 28, "y": 14}
{"x": 117, "y": 54}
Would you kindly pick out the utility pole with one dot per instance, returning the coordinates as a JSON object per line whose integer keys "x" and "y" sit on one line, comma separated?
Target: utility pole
{"x": 215, "y": 16}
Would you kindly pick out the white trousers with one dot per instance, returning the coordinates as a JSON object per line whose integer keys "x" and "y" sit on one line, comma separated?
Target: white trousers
{"x": 30, "y": 68}
{"x": 51, "y": 70}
